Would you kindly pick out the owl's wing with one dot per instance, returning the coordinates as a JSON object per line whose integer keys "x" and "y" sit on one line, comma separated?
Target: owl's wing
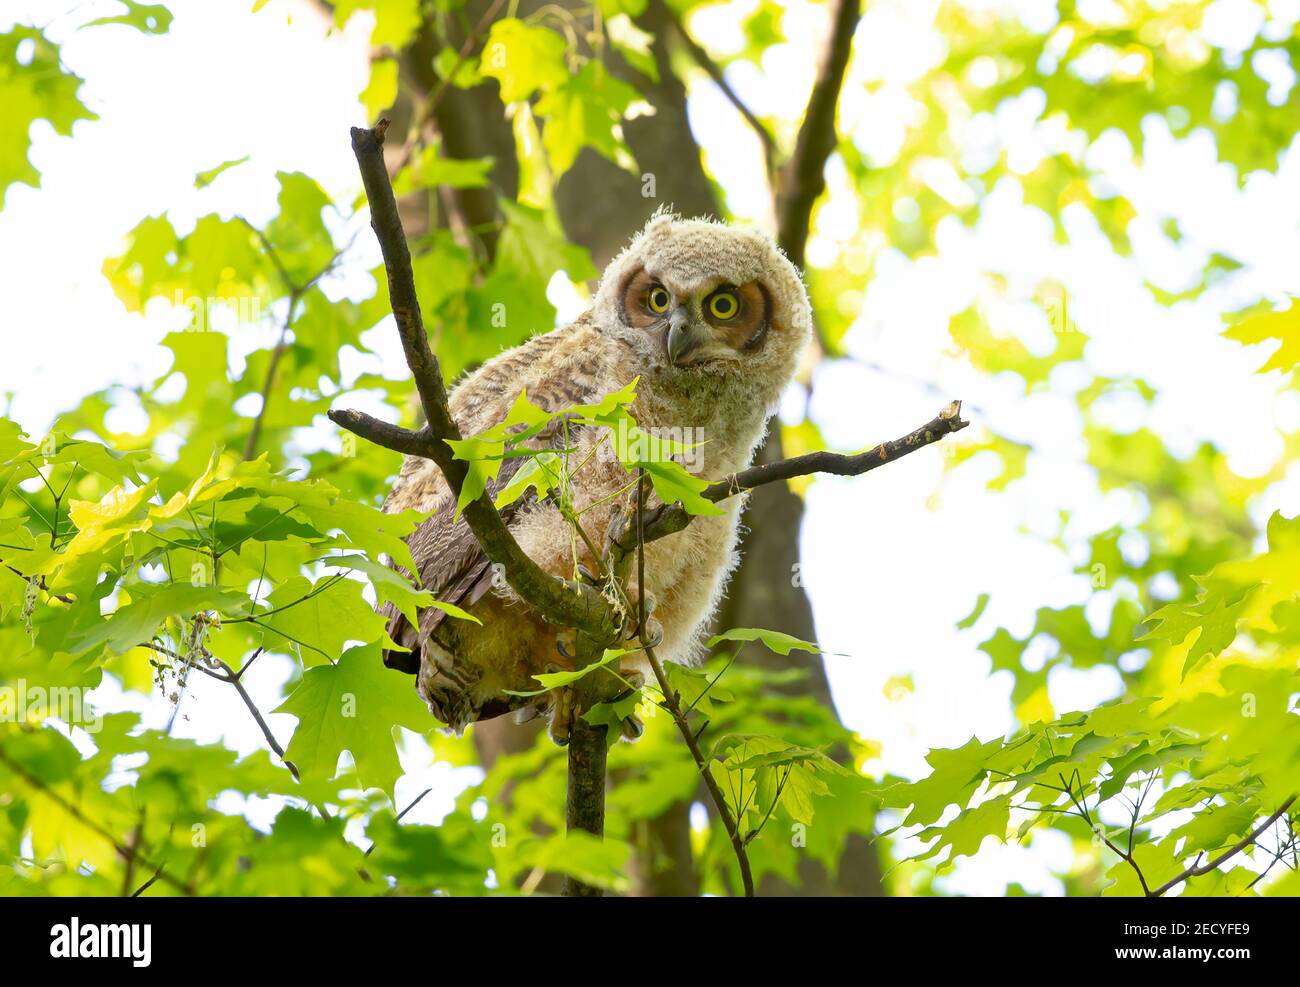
{"x": 452, "y": 564}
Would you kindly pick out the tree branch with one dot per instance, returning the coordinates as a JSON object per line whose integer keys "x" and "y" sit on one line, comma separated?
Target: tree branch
{"x": 588, "y": 754}
{"x": 381, "y": 433}
{"x": 1200, "y": 870}
{"x": 704, "y": 61}
{"x": 222, "y": 672}
{"x": 803, "y": 178}
{"x": 295, "y": 294}
{"x": 563, "y": 602}
{"x": 673, "y": 517}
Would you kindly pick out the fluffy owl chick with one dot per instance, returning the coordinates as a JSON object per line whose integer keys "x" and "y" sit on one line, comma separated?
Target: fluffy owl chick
{"x": 712, "y": 319}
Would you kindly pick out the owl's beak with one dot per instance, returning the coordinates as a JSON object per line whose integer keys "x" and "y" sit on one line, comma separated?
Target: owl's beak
{"x": 682, "y": 338}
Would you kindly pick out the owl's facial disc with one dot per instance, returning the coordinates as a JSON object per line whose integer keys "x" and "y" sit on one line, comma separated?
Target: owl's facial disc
{"x": 715, "y": 322}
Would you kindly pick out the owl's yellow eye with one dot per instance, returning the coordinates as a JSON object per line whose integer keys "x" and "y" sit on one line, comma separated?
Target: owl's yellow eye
{"x": 658, "y": 299}
{"x": 724, "y": 305}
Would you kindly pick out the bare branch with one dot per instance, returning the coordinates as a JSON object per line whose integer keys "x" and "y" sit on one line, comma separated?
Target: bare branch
{"x": 381, "y": 433}
{"x": 673, "y": 517}
{"x": 803, "y": 179}
{"x": 222, "y": 672}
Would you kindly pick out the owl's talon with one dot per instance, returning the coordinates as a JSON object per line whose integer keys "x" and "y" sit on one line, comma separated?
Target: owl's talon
{"x": 526, "y": 714}
{"x": 652, "y": 635}
{"x": 621, "y": 534}
{"x": 614, "y": 533}
{"x": 561, "y": 724}
{"x": 585, "y": 575}
{"x": 631, "y": 729}
{"x": 634, "y": 678}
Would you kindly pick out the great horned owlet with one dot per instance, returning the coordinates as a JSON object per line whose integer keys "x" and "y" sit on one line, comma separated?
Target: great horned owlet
{"x": 712, "y": 320}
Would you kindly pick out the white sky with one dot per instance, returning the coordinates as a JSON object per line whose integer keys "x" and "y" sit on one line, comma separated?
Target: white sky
{"x": 887, "y": 586}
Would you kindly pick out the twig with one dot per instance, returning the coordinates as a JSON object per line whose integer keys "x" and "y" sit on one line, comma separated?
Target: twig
{"x": 1200, "y": 870}
{"x": 277, "y": 354}
{"x": 1086, "y": 816}
{"x": 43, "y": 585}
{"x": 295, "y": 293}
{"x": 149, "y": 883}
{"x": 228, "y": 675}
{"x": 414, "y": 802}
{"x": 381, "y": 433}
{"x": 671, "y": 518}
{"x": 672, "y": 703}
{"x": 222, "y": 672}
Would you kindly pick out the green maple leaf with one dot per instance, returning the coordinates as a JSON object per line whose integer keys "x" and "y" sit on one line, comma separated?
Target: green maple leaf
{"x": 957, "y": 773}
{"x": 322, "y": 617}
{"x": 523, "y": 59}
{"x": 34, "y": 89}
{"x": 533, "y": 249}
{"x": 352, "y": 705}
{"x": 588, "y": 858}
{"x": 396, "y": 21}
{"x": 1214, "y": 617}
{"x": 775, "y": 641}
{"x": 586, "y": 111}
{"x": 1283, "y": 327}
{"x": 967, "y": 831}
{"x": 392, "y": 587}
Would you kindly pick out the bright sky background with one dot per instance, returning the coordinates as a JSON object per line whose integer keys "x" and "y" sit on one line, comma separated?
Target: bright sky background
{"x": 284, "y": 91}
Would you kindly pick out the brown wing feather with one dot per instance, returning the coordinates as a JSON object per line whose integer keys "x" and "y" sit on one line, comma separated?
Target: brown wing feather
{"x": 451, "y": 563}
{"x": 452, "y": 566}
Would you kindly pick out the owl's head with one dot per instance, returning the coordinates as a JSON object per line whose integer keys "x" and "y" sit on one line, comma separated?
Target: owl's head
{"x": 700, "y": 298}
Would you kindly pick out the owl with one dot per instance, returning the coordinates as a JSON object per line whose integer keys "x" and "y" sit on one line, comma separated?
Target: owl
{"x": 711, "y": 320}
